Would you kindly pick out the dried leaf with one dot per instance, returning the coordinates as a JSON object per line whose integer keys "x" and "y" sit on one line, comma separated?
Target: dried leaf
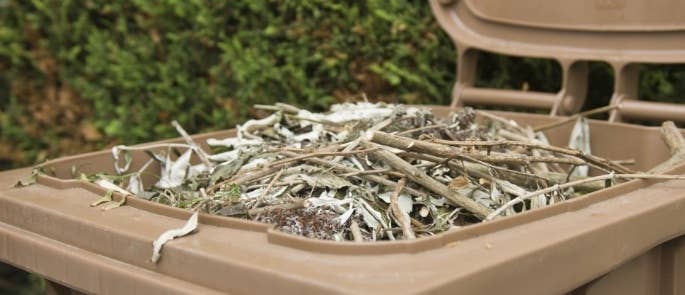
{"x": 106, "y": 198}
{"x": 108, "y": 185}
{"x": 113, "y": 204}
{"x": 135, "y": 184}
{"x": 174, "y": 172}
{"x": 188, "y": 227}
{"x": 458, "y": 183}
{"x": 326, "y": 200}
{"x": 253, "y": 125}
{"x": 227, "y": 169}
{"x": 324, "y": 179}
{"x": 371, "y": 217}
{"x": 341, "y": 113}
{"x": 317, "y": 131}
{"x": 196, "y": 170}
{"x": 276, "y": 193}
{"x": 438, "y": 201}
{"x": 116, "y": 150}
{"x": 404, "y": 201}
{"x": 26, "y": 181}
{"x": 343, "y": 218}
{"x": 580, "y": 140}
{"x": 538, "y": 202}
{"x": 225, "y": 156}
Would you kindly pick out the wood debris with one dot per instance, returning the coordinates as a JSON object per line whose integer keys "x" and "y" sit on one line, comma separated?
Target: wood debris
{"x": 372, "y": 171}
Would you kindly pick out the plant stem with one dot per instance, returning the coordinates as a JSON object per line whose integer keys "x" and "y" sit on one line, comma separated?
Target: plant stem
{"x": 575, "y": 117}
{"x": 557, "y": 187}
{"x": 428, "y": 182}
{"x": 400, "y": 216}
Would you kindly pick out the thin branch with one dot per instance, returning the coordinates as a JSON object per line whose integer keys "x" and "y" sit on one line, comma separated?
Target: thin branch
{"x": 557, "y": 187}
{"x": 428, "y": 182}
{"x": 592, "y": 159}
{"x": 400, "y": 216}
{"x": 446, "y": 151}
{"x": 356, "y": 232}
{"x": 204, "y": 157}
{"x": 421, "y": 129}
{"x": 298, "y": 203}
{"x": 511, "y": 124}
{"x": 371, "y": 177}
{"x": 676, "y": 144}
{"x": 576, "y": 116}
{"x": 268, "y": 189}
{"x": 320, "y": 154}
{"x": 481, "y": 171}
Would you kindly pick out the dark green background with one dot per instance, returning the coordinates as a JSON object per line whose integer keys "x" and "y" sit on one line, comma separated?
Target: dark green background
{"x": 82, "y": 75}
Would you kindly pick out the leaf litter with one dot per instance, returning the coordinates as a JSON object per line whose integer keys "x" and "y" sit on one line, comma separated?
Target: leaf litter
{"x": 365, "y": 172}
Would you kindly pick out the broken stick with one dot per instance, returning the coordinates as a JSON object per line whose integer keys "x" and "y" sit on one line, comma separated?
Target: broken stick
{"x": 676, "y": 144}
{"x": 428, "y": 182}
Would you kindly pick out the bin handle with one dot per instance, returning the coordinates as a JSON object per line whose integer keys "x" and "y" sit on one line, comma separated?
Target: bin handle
{"x": 625, "y": 97}
{"x": 570, "y": 97}
{"x": 568, "y": 100}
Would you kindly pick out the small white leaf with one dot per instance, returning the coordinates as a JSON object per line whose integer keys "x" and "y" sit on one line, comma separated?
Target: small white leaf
{"x": 174, "y": 172}
{"x": 580, "y": 140}
{"x": 225, "y": 156}
{"x": 196, "y": 170}
{"x": 285, "y": 132}
{"x": 438, "y": 202}
{"x": 385, "y": 196}
{"x": 135, "y": 184}
{"x": 328, "y": 180}
{"x": 345, "y": 216}
{"x": 127, "y": 160}
{"x": 255, "y": 124}
{"x": 371, "y": 217}
{"x": 538, "y": 202}
{"x": 325, "y": 200}
{"x": 188, "y": 227}
{"x": 106, "y": 184}
{"x": 317, "y": 131}
{"x": 252, "y": 194}
{"x": 256, "y": 163}
{"x": 405, "y": 203}
{"x": 341, "y": 113}
{"x": 277, "y": 193}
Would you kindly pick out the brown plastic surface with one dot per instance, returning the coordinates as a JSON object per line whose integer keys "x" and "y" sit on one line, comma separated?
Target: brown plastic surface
{"x": 624, "y": 238}
{"x": 623, "y": 33}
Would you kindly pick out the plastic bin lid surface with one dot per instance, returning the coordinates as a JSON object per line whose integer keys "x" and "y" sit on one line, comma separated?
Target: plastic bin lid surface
{"x": 622, "y": 33}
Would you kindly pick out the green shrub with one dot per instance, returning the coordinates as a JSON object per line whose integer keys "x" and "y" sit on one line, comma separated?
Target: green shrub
{"x": 131, "y": 67}
{"x": 79, "y": 75}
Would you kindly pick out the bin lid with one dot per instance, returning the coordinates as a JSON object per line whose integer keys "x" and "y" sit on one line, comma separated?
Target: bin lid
{"x": 587, "y": 15}
{"x": 650, "y": 31}
{"x": 622, "y": 33}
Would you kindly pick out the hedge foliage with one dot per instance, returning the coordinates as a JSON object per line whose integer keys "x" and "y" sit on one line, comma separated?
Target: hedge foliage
{"x": 77, "y": 75}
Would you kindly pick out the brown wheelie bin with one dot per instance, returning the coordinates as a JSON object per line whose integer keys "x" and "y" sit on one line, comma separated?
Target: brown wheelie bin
{"x": 627, "y": 239}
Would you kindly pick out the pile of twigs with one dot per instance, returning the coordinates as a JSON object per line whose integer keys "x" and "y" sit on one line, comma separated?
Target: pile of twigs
{"x": 367, "y": 172}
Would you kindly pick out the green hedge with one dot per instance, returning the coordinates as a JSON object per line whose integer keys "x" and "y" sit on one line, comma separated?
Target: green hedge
{"x": 79, "y": 75}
